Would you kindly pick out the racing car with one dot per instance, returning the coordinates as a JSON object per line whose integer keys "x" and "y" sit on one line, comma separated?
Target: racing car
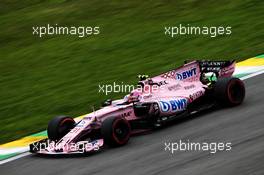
{"x": 181, "y": 92}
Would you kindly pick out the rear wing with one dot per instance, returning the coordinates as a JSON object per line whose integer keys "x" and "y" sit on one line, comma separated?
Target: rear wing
{"x": 220, "y": 68}
{"x": 193, "y": 71}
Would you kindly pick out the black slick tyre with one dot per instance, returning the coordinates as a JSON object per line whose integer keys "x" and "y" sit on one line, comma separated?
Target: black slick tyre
{"x": 115, "y": 131}
{"x": 59, "y": 126}
{"x": 229, "y": 91}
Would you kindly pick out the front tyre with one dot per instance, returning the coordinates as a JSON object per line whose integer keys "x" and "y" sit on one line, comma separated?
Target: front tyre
{"x": 115, "y": 131}
{"x": 229, "y": 91}
{"x": 59, "y": 127}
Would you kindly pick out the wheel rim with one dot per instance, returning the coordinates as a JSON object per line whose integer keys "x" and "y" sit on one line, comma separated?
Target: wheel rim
{"x": 236, "y": 92}
{"x": 121, "y": 131}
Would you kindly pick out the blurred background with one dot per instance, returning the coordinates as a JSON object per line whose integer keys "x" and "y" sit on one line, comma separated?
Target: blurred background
{"x": 44, "y": 77}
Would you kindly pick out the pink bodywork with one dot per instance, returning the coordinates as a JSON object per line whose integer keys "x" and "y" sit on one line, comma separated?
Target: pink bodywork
{"x": 177, "y": 88}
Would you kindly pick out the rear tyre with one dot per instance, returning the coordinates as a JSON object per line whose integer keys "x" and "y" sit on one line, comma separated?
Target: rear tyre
{"x": 229, "y": 91}
{"x": 59, "y": 127}
{"x": 115, "y": 131}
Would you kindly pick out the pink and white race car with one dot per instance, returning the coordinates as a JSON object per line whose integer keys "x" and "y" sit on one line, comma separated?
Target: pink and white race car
{"x": 191, "y": 88}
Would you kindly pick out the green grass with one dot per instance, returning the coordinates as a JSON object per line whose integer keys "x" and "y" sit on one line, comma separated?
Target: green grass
{"x": 44, "y": 77}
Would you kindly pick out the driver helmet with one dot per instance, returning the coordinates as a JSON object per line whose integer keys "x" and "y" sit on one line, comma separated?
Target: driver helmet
{"x": 133, "y": 96}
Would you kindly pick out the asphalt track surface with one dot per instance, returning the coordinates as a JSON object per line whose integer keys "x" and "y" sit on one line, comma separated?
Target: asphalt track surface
{"x": 145, "y": 154}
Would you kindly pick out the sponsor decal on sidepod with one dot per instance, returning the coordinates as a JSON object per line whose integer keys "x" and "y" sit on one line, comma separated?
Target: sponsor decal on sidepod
{"x": 186, "y": 74}
{"x": 173, "y": 105}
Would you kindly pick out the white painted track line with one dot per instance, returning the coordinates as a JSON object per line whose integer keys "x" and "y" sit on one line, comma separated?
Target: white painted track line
{"x": 252, "y": 75}
{"x": 14, "y": 158}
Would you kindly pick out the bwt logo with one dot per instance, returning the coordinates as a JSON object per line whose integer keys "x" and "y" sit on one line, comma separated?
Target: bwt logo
{"x": 173, "y": 105}
{"x": 186, "y": 74}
